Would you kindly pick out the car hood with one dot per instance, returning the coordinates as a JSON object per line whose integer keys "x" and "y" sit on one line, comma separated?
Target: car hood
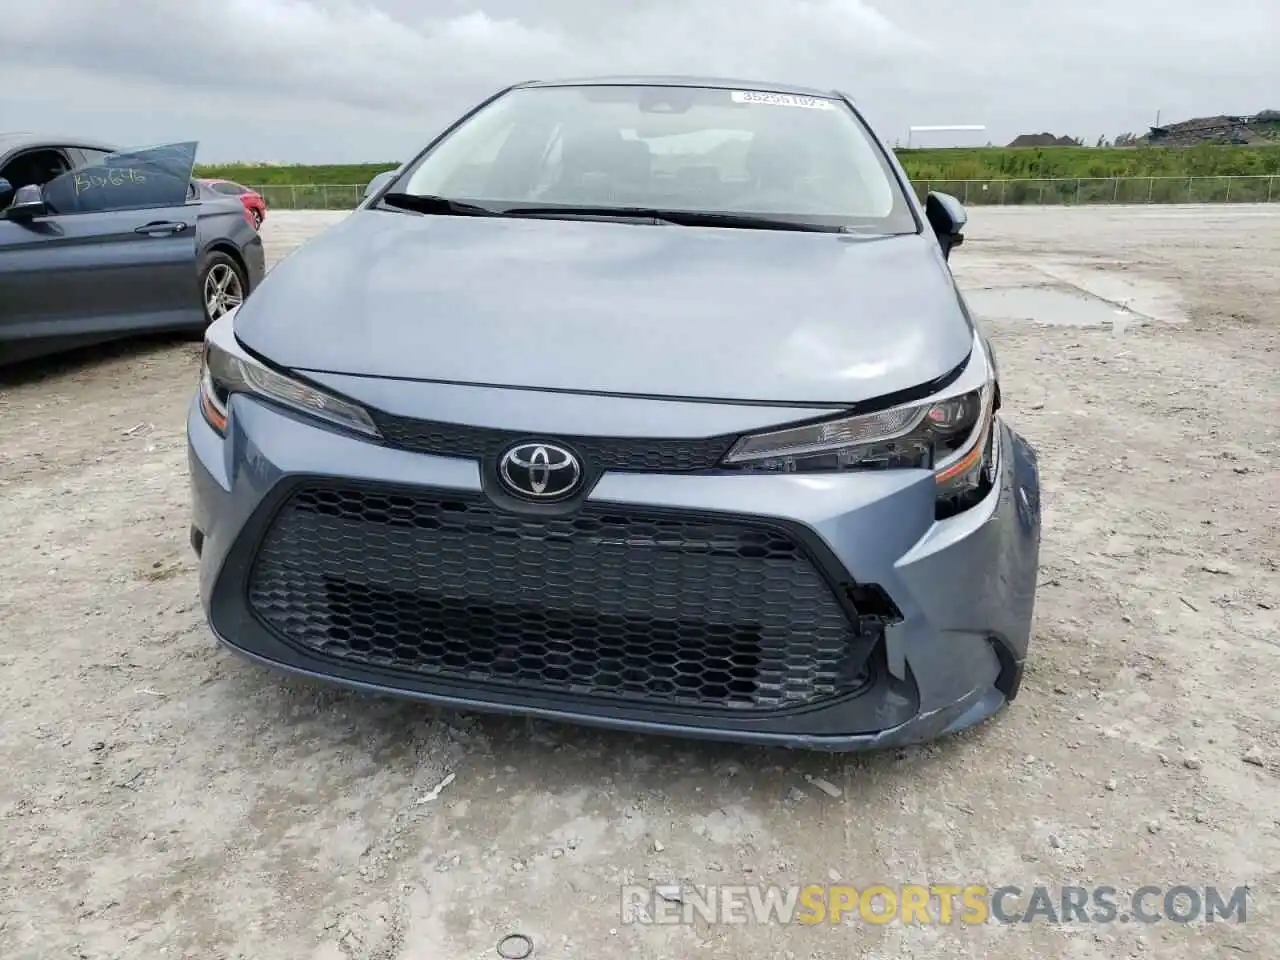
{"x": 618, "y": 308}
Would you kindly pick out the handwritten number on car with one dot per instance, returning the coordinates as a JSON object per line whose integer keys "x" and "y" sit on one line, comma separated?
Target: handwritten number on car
{"x": 109, "y": 177}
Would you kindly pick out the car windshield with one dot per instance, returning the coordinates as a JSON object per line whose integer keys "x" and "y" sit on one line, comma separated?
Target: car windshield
{"x": 673, "y": 148}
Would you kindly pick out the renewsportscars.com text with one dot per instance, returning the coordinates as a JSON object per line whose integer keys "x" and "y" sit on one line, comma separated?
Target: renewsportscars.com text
{"x": 932, "y": 904}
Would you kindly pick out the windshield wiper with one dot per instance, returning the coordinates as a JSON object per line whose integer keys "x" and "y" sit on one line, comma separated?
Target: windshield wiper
{"x": 432, "y": 204}
{"x": 685, "y": 218}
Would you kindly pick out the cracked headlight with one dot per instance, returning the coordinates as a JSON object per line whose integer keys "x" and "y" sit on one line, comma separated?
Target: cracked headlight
{"x": 951, "y": 435}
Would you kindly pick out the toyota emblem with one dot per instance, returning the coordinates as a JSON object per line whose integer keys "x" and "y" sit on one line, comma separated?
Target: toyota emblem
{"x": 540, "y": 471}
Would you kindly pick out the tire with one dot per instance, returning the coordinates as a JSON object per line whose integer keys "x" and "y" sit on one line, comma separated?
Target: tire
{"x": 223, "y": 285}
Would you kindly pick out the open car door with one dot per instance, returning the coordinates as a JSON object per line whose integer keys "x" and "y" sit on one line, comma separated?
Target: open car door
{"x": 110, "y": 250}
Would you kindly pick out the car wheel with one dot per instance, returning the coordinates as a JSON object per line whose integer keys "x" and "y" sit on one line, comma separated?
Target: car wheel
{"x": 222, "y": 285}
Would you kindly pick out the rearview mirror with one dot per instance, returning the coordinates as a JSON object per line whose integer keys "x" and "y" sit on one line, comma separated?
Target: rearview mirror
{"x": 947, "y": 216}
{"x": 378, "y": 182}
{"x": 28, "y": 203}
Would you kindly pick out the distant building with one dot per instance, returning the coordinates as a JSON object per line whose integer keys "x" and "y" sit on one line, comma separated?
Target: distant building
{"x": 1043, "y": 140}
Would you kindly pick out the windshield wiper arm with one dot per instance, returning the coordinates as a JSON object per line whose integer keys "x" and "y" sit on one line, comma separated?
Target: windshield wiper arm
{"x": 433, "y": 204}
{"x": 428, "y": 203}
{"x": 686, "y": 218}
{"x": 745, "y": 221}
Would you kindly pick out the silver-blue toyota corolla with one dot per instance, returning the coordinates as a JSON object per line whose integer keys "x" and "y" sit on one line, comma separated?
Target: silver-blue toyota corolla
{"x": 644, "y": 403}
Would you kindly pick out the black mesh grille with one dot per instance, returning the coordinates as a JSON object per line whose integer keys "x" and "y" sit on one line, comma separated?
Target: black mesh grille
{"x": 678, "y": 612}
{"x": 604, "y": 453}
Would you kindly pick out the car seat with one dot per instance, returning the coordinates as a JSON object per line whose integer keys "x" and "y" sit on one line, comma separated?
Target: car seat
{"x": 606, "y": 168}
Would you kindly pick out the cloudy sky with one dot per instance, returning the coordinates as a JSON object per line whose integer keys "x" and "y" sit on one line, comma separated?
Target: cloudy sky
{"x": 355, "y": 80}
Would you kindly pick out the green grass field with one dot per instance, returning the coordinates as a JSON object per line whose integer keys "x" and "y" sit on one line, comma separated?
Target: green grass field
{"x": 335, "y": 185}
{"x": 1006, "y": 163}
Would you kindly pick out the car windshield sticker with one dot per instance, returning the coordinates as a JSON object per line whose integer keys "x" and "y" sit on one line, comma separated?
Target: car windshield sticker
{"x": 781, "y": 99}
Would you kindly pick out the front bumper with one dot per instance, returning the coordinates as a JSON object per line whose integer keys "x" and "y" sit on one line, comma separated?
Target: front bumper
{"x": 939, "y": 613}
{"x": 255, "y": 261}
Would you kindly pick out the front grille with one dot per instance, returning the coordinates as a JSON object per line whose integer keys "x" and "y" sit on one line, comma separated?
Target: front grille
{"x": 605, "y": 453}
{"x": 674, "y": 611}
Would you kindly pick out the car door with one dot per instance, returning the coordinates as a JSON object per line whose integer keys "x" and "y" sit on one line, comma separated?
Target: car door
{"x": 114, "y": 253}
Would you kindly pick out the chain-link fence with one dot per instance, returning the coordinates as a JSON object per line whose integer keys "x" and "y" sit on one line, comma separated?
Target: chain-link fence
{"x": 312, "y": 196}
{"x": 1085, "y": 190}
{"x": 1095, "y": 190}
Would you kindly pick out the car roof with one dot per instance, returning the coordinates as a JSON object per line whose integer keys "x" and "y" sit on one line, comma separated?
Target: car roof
{"x": 20, "y": 140}
{"x": 671, "y": 80}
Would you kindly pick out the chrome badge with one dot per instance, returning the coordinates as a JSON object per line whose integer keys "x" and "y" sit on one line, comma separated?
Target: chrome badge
{"x": 540, "y": 471}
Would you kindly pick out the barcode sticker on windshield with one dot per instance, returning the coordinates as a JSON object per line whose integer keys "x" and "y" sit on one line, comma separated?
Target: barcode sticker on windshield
{"x": 781, "y": 99}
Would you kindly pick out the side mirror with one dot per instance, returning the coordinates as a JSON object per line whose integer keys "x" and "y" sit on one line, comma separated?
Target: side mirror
{"x": 28, "y": 203}
{"x": 947, "y": 216}
{"x": 378, "y": 182}
{"x": 6, "y": 191}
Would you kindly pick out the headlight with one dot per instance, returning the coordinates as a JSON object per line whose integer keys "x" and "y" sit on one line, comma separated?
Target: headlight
{"x": 952, "y": 436}
{"x": 223, "y": 373}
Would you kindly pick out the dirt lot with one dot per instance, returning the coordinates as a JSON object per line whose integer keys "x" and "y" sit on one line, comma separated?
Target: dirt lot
{"x": 163, "y": 798}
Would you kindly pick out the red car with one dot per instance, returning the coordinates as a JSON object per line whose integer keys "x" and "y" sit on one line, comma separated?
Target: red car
{"x": 254, "y": 205}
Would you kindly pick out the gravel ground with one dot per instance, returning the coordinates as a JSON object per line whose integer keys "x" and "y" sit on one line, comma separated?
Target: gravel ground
{"x": 163, "y": 798}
